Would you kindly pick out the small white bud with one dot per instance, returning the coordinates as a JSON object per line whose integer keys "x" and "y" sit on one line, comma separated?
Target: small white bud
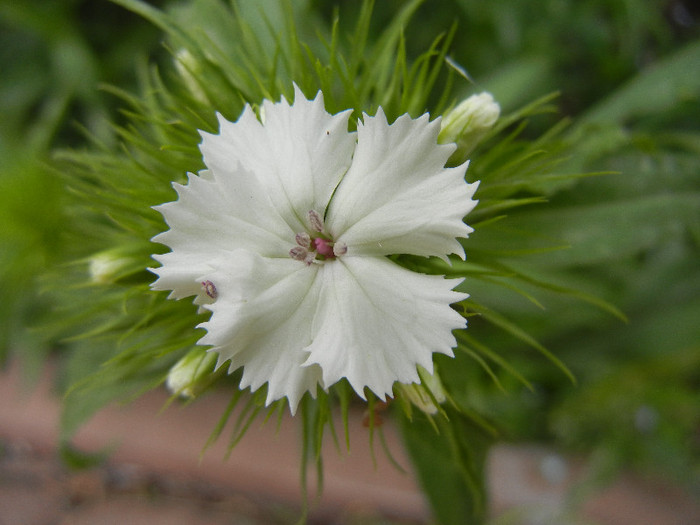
{"x": 106, "y": 266}
{"x": 418, "y": 393}
{"x": 189, "y": 69}
{"x": 467, "y": 124}
{"x": 191, "y": 373}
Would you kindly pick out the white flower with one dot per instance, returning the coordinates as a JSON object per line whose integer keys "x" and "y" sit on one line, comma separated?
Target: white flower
{"x": 284, "y": 238}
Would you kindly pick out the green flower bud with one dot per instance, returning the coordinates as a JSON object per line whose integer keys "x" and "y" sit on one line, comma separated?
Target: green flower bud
{"x": 420, "y": 394}
{"x": 188, "y": 68}
{"x": 191, "y": 374}
{"x": 106, "y": 267}
{"x": 467, "y": 124}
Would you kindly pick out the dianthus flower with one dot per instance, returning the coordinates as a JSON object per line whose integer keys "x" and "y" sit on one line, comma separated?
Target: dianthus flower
{"x": 284, "y": 237}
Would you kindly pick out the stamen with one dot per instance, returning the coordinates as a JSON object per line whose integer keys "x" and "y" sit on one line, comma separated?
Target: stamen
{"x": 316, "y": 221}
{"x": 210, "y": 289}
{"x": 304, "y": 240}
{"x": 312, "y": 248}
{"x": 298, "y": 253}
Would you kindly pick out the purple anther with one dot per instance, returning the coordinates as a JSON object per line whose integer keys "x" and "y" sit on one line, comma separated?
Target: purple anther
{"x": 316, "y": 221}
{"x": 298, "y": 253}
{"x": 210, "y": 289}
{"x": 304, "y": 240}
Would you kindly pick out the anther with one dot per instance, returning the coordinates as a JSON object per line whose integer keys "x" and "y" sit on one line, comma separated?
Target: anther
{"x": 210, "y": 289}
{"x": 340, "y": 248}
{"x": 304, "y": 240}
{"x": 299, "y": 253}
{"x": 316, "y": 221}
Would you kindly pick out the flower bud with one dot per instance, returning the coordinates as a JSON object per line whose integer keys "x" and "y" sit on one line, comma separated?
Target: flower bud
{"x": 467, "y": 124}
{"x": 419, "y": 394}
{"x": 106, "y": 267}
{"x": 192, "y": 373}
{"x": 188, "y": 68}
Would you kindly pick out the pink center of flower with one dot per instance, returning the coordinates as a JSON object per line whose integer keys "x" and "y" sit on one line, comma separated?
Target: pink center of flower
{"x": 324, "y": 247}
{"x": 316, "y": 245}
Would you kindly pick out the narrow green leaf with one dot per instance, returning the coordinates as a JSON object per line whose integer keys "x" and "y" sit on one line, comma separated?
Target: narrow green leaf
{"x": 450, "y": 466}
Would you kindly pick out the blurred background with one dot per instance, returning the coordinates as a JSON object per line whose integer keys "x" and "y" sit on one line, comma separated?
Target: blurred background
{"x": 627, "y": 68}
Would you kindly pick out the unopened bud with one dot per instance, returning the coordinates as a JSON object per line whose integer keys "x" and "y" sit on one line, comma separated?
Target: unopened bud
{"x": 192, "y": 373}
{"x": 108, "y": 266}
{"x": 420, "y": 394}
{"x": 189, "y": 69}
{"x": 467, "y": 124}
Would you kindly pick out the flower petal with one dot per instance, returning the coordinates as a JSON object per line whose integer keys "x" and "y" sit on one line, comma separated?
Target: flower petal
{"x": 299, "y": 153}
{"x": 261, "y": 320}
{"x": 397, "y": 197}
{"x": 377, "y": 321}
{"x": 214, "y": 215}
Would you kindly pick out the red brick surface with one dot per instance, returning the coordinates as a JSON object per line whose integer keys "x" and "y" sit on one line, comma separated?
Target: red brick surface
{"x": 155, "y": 474}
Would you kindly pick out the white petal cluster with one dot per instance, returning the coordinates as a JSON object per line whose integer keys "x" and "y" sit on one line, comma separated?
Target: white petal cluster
{"x": 284, "y": 238}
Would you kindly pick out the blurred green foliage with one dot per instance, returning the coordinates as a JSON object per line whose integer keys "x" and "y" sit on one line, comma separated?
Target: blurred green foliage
{"x": 627, "y": 73}
{"x": 53, "y": 56}
{"x": 521, "y": 50}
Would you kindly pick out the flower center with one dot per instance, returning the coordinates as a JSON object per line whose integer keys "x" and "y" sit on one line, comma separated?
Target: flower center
{"x": 316, "y": 245}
